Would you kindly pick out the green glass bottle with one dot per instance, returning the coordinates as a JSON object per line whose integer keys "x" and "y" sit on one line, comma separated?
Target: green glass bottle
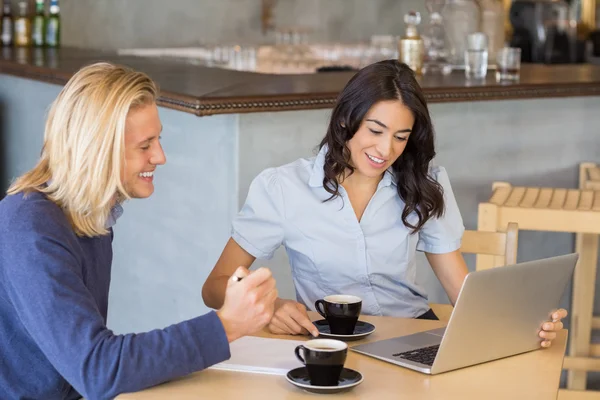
{"x": 53, "y": 25}
{"x": 39, "y": 24}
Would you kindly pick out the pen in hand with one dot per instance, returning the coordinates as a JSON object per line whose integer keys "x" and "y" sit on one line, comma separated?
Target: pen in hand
{"x": 239, "y": 274}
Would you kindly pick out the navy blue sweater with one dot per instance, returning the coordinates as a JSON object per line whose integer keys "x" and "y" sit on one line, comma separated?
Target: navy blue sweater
{"x": 54, "y": 343}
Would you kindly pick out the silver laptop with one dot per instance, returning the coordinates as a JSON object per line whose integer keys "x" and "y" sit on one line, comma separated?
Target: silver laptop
{"x": 498, "y": 314}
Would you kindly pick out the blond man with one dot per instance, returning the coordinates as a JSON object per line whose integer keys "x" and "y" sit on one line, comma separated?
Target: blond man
{"x": 101, "y": 148}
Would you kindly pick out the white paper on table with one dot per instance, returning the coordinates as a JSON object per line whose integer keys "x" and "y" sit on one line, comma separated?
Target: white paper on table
{"x": 261, "y": 355}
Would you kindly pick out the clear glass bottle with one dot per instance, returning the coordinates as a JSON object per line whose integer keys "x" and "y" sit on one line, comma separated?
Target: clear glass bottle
{"x": 434, "y": 39}
{"x": 7, "y": 25}
{"x": 461, "y": 17}
{"x": 492, "y": 24}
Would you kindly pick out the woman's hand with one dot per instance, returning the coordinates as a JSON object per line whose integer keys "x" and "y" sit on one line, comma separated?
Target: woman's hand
{"x": 290, "y": 318}
{"x": 549, "y": 329}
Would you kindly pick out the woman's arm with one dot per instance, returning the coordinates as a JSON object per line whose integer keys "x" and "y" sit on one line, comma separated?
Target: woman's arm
{"x": 232, "y": 257}
{"x": 257, "y": 232}
{"x": 290, "y": 316}
{"x": 451, "y": 270}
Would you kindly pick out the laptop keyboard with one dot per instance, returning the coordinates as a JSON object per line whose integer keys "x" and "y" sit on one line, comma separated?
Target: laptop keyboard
{"x": 424, "y": 355}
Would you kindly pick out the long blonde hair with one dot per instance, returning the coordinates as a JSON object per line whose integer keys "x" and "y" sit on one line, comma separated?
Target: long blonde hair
{"x": 81, "y": 160}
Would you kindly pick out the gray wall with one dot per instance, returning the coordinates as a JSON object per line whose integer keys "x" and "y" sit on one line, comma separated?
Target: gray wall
{"x": 23, "y": 106}
{"x": 114, "y": 24}
{"x": 166, "y": 245}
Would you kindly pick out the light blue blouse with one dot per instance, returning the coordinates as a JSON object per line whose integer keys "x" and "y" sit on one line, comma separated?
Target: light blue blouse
{"x": 330, "y": 251}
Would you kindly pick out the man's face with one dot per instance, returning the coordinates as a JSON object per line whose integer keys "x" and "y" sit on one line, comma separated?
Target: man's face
{"x": 143, "y": 151}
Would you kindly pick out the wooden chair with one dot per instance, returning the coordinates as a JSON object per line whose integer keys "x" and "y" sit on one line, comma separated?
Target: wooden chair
{"x": 501, "y": 245}
{"x": 589, "y": 179}
{"x": 589, "y": 176}
{"x": 558, "y": 210}
{"x": 577, "y": 395}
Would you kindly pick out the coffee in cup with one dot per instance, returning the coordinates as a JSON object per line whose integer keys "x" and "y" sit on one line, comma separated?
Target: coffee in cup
{"x": 324, "y": 359}
{"x": 341, "y": 312}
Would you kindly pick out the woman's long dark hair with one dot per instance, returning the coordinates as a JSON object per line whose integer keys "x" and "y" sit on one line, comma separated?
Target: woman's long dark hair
{"x": 387, "y": 80}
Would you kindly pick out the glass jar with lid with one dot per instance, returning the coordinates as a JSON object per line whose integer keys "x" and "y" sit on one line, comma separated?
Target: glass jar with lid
{"x": 434, "y": 38}
{"x": 461, "y": 17}
{"x": 492, "y": 24}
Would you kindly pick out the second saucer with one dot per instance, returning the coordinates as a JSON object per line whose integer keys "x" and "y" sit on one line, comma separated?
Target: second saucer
{"x": 361, "y": 330}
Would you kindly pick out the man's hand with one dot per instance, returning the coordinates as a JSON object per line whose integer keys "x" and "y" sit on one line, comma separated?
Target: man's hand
{"x": 249, "y": 303}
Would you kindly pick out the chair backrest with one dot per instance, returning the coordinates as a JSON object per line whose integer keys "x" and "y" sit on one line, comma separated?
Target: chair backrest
{"x": 503, "y": 245}
{"x": 589, "y": 176}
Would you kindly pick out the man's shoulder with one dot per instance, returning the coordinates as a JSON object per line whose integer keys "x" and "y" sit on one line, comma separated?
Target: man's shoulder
{"x": 26, "y": 211}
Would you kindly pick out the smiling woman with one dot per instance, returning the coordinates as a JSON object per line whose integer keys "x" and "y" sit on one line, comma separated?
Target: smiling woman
{"x": 353, "y": 217}
{"x": 380, "y": 116}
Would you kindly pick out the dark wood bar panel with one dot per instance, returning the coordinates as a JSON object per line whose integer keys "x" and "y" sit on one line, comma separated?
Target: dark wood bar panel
{"x": 208, "y": 91}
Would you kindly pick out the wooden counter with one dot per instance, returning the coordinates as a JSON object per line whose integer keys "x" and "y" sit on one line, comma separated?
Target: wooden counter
{"x": 207, "y": 91}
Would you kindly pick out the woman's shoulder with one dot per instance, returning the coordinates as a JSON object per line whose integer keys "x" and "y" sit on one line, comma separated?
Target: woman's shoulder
{"x": 437, "y": 171}
{"x": 297, "y": 172}
{"x": 440, "y": 175}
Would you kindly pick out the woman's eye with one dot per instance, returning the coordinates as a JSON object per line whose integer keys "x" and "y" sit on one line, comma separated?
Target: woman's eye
{"x": 402, "y": 139}
{"x": 374, "y": 131}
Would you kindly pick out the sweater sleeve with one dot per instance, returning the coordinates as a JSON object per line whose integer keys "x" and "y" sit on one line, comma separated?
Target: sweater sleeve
{"x": 45, "y": 285}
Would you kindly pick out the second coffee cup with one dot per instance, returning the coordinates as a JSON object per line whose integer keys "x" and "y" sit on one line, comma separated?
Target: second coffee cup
{"x": 324, "y": 360}
{"x": 341, "y": 312}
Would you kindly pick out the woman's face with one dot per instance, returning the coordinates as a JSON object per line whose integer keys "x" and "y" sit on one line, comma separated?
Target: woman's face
{"x": 381, "y": 138}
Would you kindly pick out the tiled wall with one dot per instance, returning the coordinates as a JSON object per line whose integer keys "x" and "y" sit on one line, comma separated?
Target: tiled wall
{"x": 160, "y": 23}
